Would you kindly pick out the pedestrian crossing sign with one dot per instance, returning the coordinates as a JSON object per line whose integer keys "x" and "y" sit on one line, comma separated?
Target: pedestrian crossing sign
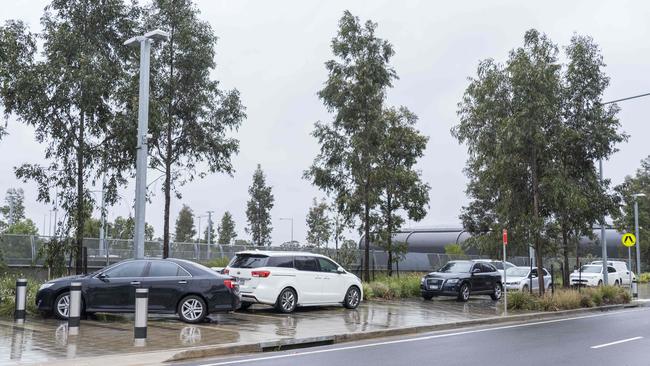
{"x": 628, "y": 240}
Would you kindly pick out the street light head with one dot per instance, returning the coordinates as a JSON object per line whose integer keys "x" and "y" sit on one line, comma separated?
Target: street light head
{"x": 157, "y": 35}
{"x": 638, "y": 195}
{"x": 134, "y": 41}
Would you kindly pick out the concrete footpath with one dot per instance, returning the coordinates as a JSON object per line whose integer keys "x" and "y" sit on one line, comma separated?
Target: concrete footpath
{"x": 46, "y": 341}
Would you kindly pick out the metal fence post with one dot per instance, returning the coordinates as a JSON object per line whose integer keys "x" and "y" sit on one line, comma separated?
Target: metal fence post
{"x": 141, "y": 313}
{"x": 33, "y": 249}
{"x": 21, "y": 300}
{"x": 74, "y": 308}
{"x": 552, "y": 280}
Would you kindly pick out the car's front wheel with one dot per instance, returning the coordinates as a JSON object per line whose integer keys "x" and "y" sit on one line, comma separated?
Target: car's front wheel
{"x": 245, "y": 305}
{"x": 192, "y": 309}
{"x": 352, "y": 298}
{"x": 287, "y": 301}
{"x": 463, "y": 293}
{"x": 61, "y": 307}
{"x": 427, "y": 297}
{"x": 497, "y": 292}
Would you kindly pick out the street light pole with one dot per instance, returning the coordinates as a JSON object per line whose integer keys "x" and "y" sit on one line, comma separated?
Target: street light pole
{"x": 209, "y": 230}
{"x": 636, "y": 232}
{"x": 603, "y": 241}
{"x": 143, "y": 130}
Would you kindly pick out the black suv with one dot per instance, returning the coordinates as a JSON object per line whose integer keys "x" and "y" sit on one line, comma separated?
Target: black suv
{"x": 460, "y": 278}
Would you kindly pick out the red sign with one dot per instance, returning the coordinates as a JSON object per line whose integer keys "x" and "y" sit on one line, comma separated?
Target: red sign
{"x": 505, "y": 237}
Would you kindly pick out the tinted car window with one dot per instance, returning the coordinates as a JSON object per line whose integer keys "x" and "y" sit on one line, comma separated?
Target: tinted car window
{"x": 456, "y": 267}
{"x": 546, "y": 272}
{"x": 611, "y": 270}
{"x": 130, "y": 269}
{"x": 166, "y": 269}
{"x": 249, "y": 261}
{"x": 487, "y": 267}
{"x": 534, "y": 272}
{"x": 284, "y": 262}
{"x": 327, "y": 265}
{"x": 477, "y": 268}
{"x": 498, "y": 265}
{"x": 306, "y": 264}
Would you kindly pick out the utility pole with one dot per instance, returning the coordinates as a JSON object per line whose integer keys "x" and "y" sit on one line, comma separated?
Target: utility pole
{"x": 209, "y": 230}
{"x": 603, "y": 241}
{"x": 102, "y": 223}
{"x": 636, "y": 232}
{"x": 143, "y": 132}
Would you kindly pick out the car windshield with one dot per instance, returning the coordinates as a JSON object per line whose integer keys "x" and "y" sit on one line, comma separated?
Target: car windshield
{"x": 456, "y": 267}
{"x": 591, "y": 269}
{"x": 517, "y": 272}
{"x": 249, "y": 261}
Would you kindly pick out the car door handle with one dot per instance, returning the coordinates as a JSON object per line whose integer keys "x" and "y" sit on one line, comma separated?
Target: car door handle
{"x": 135, "y": 282}
{"x": 182, "y": 282}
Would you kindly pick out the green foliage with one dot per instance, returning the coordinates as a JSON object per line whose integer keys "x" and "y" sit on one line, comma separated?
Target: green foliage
{"x": 124, "y": 228}
{"x": 191, "y": 115}
{"x": 14, "y": 210}
{"x": 8, "y": 295}
{"x": 226, "y": 229}
{"x": 185, "y": 225}
{"x": 53, "y": 255}
{"x": 22, "y": 227}
{"x": 392, "y": 287}
{"x": 624, "y": 221}
{"x": 217, "y": 262}
{"x": 258, "y": 209}
{"x": 348, "y": 254}
{"x": 644, "y": 277}
{"x": 69, "y": 96}
{"x": 566, "y": 299}
{"x": 319, "y": 226}
{"x": 455, "y": 250}
{"x": 534, "y": 128}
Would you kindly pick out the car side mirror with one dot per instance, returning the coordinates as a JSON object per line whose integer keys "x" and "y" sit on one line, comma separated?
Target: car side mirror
{"x": 102, "y": 276}
{"x": 340, "y": 270}
{"x": 476, "y": 270}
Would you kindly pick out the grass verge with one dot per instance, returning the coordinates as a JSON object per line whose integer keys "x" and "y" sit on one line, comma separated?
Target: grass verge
{"x": 567, "y": 299}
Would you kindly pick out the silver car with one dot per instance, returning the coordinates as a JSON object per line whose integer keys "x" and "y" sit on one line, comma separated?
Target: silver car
{"x": 520, "y": 279}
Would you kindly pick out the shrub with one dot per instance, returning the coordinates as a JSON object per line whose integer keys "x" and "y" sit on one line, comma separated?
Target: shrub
{"x": 644, "y": 277}
{"x": 8, "y": 295}
{"x": 565, "y": 300}
{"x": 385, "y": 287}
{"x": 521, "y": 300}
{"x": 381, "y": 290}
{"x": 569, "y": 299}
{"x": 217, "y": 262}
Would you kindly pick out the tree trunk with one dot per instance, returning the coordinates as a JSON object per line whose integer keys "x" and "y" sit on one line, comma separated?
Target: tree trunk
{"x": 565, "y": 258}
{"x": 168, "y": 150}
{"x": 538, "y": 244}
{"x": 80, "y": 197}
{"x": 389, "y": 229}
{"x": 366, "y": 229}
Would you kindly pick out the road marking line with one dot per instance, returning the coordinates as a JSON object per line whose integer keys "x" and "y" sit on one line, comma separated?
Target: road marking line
{"x": 617, "y": 342}
{"x": 424, "y": 338}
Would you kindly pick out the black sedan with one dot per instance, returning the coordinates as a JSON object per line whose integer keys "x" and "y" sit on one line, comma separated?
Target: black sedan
{"x": 462, "y": 278}
{"x": 175, "y": 286}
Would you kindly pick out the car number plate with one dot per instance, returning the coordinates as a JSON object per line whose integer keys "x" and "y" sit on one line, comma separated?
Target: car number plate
{"x": 240, "y": 281}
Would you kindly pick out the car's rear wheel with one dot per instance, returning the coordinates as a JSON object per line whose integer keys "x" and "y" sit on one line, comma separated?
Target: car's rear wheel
{"x": 192, "y": 309}
{"x": 287, "y": 301}
{"x": 616, "y": 283}
{"x": 427, "y": 297}
{"x": 525, "y": 288}
{"x": 464, "y": 292}
{"x": 352, "y": 298}
{"x": 61, "y": 307}
{"x": 497, "y": 292}
{"x": 600, "y": 282}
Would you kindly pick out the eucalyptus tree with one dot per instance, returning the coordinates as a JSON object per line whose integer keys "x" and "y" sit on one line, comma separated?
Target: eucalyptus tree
{"x": 400, "y": 183}
{"x": 319, "y": 225}
{"x": 190, "y": 114}
{"x": 69, "y": 96}
{"x": 226, "y": 229}
{"x": 533, "y": 132}
{"x": 258, "y": 209}
{"x": 355, "y": 91}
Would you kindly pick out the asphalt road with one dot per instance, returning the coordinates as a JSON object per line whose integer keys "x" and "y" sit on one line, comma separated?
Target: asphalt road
{"x": 610, "y": 338}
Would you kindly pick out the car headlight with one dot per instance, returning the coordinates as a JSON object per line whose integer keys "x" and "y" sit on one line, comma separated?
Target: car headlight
{"x": 452, "y": 280}
{"x": 45, "y": 285}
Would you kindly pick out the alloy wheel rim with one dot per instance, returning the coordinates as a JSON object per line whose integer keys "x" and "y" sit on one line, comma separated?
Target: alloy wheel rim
{"x": 353, "y": 297}
{"x": 287, "y": 300}
{"x": 465, "y": 292}
{"x": 192, "y": 309}
{"x": 497, "y": 292}
{"x": 63, "y": 306}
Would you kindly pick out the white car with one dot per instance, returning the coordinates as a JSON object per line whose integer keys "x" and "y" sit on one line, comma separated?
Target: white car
{"x": 621, "y": 268}
{"x": 592, "y": 275}
{"x": 498, "y": 264}
{"x": 520, "y": 279}
{"x": 287, "y": 280}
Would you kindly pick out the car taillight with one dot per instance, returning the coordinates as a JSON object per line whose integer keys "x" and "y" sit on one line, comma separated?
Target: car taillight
{"x": 230, "y": 284}
{"x": 262, "y": 274}
{"x": 226, "y": 271}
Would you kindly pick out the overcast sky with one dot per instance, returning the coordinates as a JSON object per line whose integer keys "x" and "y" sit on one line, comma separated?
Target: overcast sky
{"x": 274, "y": 53}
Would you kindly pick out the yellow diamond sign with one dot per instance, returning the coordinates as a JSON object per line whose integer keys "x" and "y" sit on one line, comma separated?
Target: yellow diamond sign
{"x": 628, "y": 240}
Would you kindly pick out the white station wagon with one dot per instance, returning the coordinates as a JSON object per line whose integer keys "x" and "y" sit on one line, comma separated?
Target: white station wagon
{"x": 287, "y": 280}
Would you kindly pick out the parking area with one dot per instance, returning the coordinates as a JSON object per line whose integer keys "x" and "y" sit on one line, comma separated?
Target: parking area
{"x": 45, "y": 340}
